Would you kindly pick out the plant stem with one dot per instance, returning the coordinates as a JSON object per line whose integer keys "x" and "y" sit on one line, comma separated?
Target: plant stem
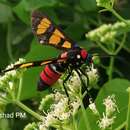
{"x": 3, "y": 100}
{"x": 19, "y": 88}
{"x": 8, "y": 42}
{"x": 120, "y": 127}
{"x": 112, "y": 58}
{"x": 86, "y": 121}
{"x": 104, "y": 49}
{"x": 128, "y": 113}
{"x": 121, "y": 44}
{"x": 111, "y": 67}
{"x": 74, "y": 123}
{"x": 21, "y": 36}
{"x": 124, "y": 47}
{"x": 118, "y": 16}
{"x": 27, "y": 109}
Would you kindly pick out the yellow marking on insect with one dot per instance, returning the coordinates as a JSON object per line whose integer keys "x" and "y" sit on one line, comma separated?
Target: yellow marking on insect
{"x": 58, "y": 33}
{"x": 67, "y": 44}
{"x": 54, "y": 39}
{"x": 45, "y": 62}
{"x": 41, "y": 31}
{"x": 61, "y": 60}
{"x": 43, "y": 26}
{"x": 26, "y": 65}
{"x": 45, "y": 20}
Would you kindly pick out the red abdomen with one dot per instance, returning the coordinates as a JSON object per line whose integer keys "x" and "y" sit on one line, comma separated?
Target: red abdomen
{"x": 48, "y": 77}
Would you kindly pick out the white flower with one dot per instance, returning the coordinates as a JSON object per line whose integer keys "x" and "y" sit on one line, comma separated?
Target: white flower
{"x": 42, "y": 127}
{"x": 11, "y": 85}
{"x": 10, "y": 66}
{"x": 60, "y": 109}
{"x": 12, "y": 73}
{"x": 2, "y": 80}
{"x": 58, "y": 96}
{"x": 3, "y": 95}
{"x": 74, "y": 84}
{"x": 105, "y": 122}
{"x": 110, "y": 104}
{"x": 49, "y": 120}
{"x": 92, "y": 75}
{"x": 21, "y": 60}
{"x": 75, "y": 106}
{"x": 92, "y": 106}
{"x": 65, "y": 115}
{"x": 9, "y": 78}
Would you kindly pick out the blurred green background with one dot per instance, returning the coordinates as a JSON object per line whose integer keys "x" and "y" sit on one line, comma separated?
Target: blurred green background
{"x": 75, "y": 17}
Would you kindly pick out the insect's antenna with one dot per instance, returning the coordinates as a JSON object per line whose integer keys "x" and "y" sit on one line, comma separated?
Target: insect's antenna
{"x": 103, "y": 56}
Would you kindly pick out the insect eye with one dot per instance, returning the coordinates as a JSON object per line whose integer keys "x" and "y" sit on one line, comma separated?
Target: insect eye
{"x": 84, "y": 54}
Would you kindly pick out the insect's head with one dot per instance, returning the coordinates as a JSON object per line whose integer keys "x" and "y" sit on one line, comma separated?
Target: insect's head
{"x": 86, "y": 56}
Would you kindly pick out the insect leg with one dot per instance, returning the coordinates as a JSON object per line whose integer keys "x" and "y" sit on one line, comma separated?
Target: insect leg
{"x": 87, "y": 98}
{"x": 65, "y": 80}
{"x": 85, "y": 76}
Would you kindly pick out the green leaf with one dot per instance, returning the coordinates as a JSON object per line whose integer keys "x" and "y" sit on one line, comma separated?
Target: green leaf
{"x": 75, "y": 31}
{"x": 4, "y": 124}
{"x": 117, "y": 87}
{"x": 23, "y": 14}
{"x": 5, "y": 13}
{"x": 3, "y": 49}
{"x": 88, "y": 5}
{"x": 24, "y": 8}
{"x": 35, "y": 4}
{"x": 128, "y": 112}
{"x": 92, "y": 121}
{"x": 3, "y": 1}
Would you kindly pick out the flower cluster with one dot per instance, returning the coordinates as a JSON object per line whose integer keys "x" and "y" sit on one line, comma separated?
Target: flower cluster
{"x": 92, "y": 75}
{"x": 58, "y": 109}
{"x": 108, "y": 116}
{"x": 92, "y": 107}
{"x": 10, "y": 76}
{"x": 74, "y": 85}
{"x": 9, "y": 80}
{"x": 110, "y": 104}
{"x": 106, "y": 121}
{"x": 107, "y": 33}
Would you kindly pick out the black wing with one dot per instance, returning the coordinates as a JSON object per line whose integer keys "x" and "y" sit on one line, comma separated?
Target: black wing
{"x": 48, "y": 33}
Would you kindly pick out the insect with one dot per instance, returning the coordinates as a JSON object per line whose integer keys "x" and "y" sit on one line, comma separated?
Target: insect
{"x": 71, "y": 58}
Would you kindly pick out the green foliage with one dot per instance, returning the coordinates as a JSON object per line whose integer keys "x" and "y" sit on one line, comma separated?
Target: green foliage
{"x": 107, "y": 34}
{"x": 88, "y": 5}
{"x": 46, "y": 102}
{"x": 31, "y": 126}
{"x": 5, "y": 13}
{"x": 105, "y": 3}
{"x": 117, "y": 87}
{"x": 102, "y": 33}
